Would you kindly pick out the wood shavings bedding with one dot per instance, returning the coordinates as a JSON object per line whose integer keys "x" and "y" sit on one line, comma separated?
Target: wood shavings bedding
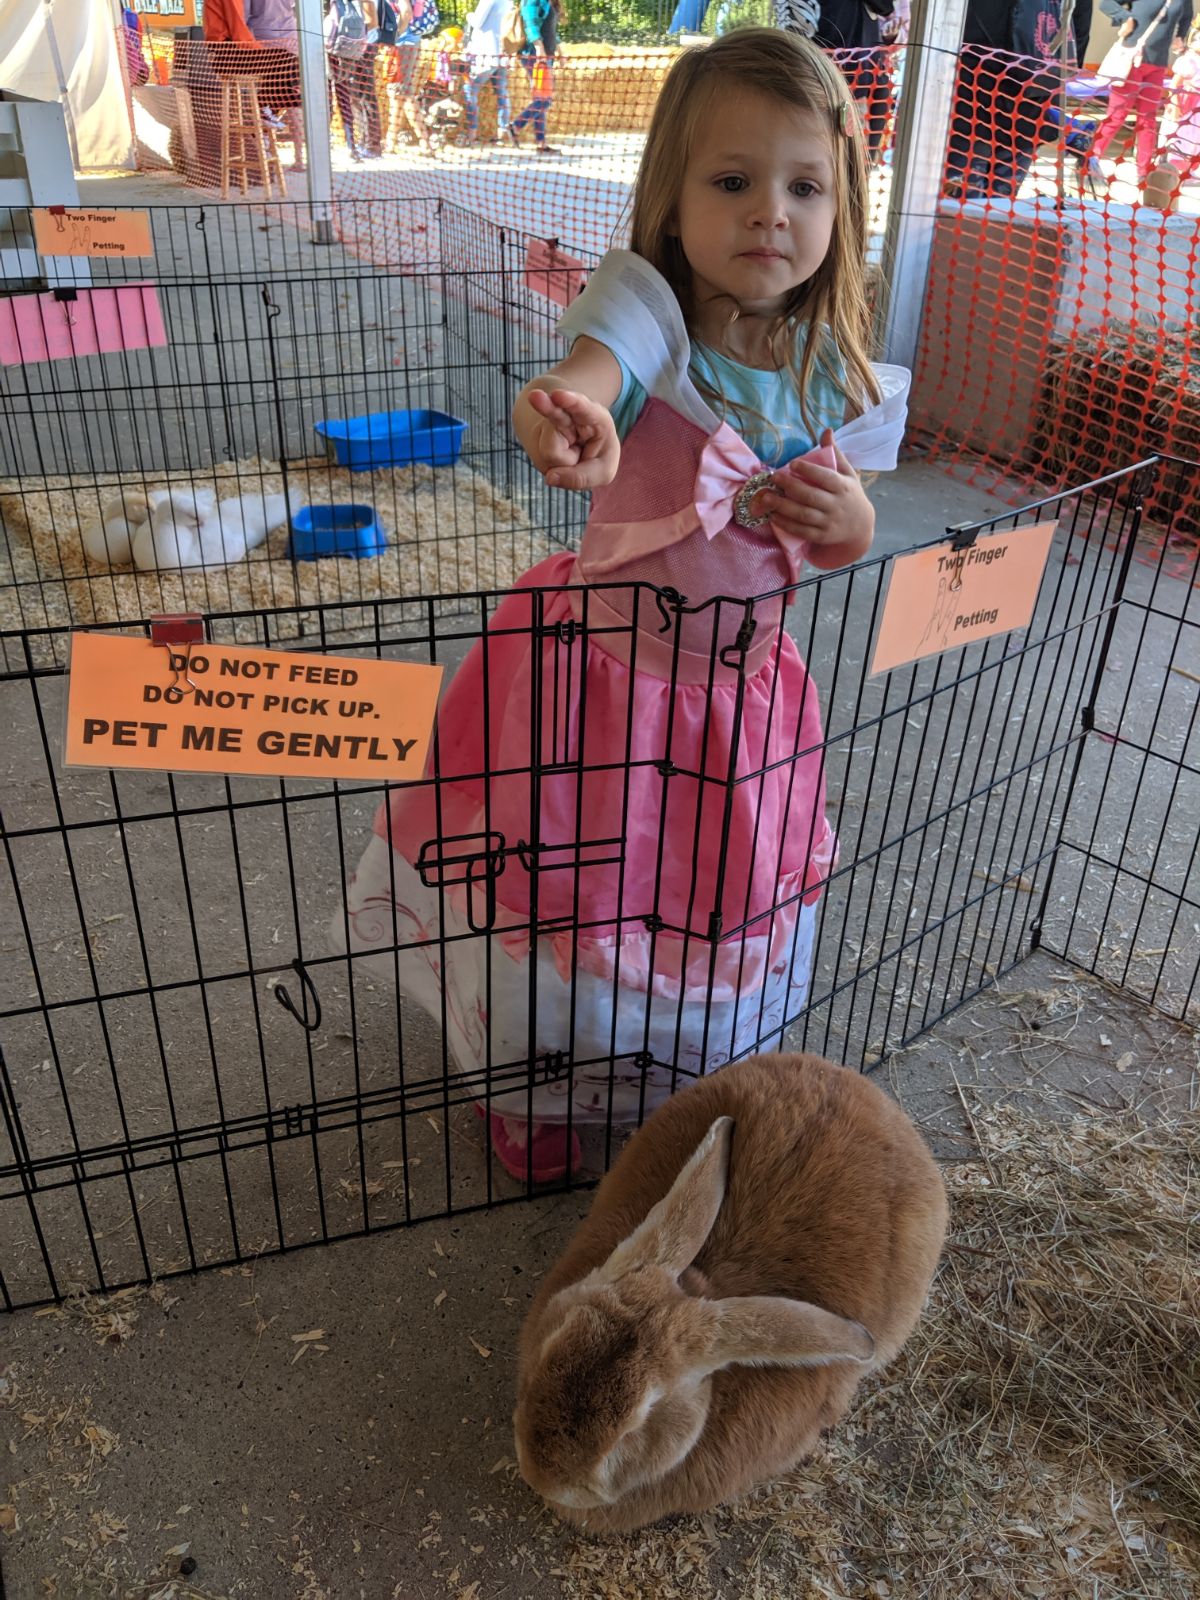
{"x": 1034, "y": 1438}
{"x": 449, "y": 532}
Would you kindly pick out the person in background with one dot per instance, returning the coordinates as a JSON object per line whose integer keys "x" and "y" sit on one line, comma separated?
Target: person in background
{"x": 225, "y": 23}
{"x": 852, "y": 29}
{"x": 1154, "y": 25}
{"x": 273, "y": 24}
{"x": 1010, "y": 69}
{"x": 1081, "y": 27}
{"x": 416, "y": 19}
{"x": 352, "y": 72}
{"x": 135, "y": 57}
{"x": 486, "y": 65}
{"x": 540, "y": 18}
{"x": 1180, "y": 135}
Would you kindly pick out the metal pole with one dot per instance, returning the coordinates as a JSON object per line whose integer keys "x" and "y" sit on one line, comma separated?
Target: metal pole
{"x": 310, "y": 23}
{"x": 918, "y": 158}
{"x": 64, "y": 94}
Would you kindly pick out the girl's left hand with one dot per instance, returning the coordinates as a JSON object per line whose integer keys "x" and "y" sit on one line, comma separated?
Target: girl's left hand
{"x": 828, "y": 509}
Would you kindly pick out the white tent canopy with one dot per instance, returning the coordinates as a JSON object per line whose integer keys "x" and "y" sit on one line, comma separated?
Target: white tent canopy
{"x": 47, "y": 46}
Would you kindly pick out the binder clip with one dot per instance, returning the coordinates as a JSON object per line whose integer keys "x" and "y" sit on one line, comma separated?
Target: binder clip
{"x": 179, "y": 630}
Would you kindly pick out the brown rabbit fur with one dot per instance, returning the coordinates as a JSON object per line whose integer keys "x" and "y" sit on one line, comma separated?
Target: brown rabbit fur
{"x": 767, "y": 1238}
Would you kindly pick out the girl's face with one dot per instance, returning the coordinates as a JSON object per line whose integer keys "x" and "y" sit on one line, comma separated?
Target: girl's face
{"x": 757, "y": 208}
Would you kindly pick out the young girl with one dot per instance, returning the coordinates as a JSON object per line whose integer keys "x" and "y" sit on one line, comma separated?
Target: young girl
{"x": 608, "y": 886}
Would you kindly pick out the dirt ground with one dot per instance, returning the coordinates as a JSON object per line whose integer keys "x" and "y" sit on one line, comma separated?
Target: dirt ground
{"x": 335, "y": 1423}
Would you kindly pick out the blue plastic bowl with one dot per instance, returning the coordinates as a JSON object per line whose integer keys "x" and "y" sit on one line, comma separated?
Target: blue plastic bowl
{"x": 344, "y": 530}
{"x": 395, "y": 439}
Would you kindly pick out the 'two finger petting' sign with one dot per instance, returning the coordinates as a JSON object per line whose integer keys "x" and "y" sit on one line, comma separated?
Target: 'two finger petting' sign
{"x": 261, "y": 713}
{"x": 940, "y": 597}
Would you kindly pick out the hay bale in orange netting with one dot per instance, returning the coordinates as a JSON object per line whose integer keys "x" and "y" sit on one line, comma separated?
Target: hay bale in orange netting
{"x": 1112, "y": 396}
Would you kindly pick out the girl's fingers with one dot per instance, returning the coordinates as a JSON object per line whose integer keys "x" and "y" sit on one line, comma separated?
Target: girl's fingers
{"x": 582, "y": 411}
{"x": 545, "y": 407}
{"x": 810, "y": 472}
{"x": 799, "y": 492}
{"x": 794, "y": 519}
{"x": 587, "y": 474}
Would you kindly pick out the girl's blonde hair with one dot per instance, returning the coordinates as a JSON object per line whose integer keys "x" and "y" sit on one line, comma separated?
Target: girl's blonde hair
{"x": 787, "y": 68}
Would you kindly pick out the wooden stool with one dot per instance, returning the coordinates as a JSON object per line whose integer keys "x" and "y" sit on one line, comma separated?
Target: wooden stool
{"x": 248, "y": 148}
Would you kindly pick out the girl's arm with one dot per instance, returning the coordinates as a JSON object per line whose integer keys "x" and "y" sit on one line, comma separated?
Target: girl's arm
{"x": 563, "y": 419}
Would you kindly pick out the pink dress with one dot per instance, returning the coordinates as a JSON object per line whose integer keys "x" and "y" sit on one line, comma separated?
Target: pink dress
{"x": 612, "y": 874}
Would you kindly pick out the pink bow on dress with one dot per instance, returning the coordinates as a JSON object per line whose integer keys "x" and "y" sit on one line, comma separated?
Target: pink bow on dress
{"x": 726, "y": 461}
{"x": 725, "y": 464}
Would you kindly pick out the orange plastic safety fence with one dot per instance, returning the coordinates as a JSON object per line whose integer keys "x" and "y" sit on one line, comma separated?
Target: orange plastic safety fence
{"x": 1063, "y": 276}
{"x": 1056, "y": 337}
{"x": 550, "y": 148}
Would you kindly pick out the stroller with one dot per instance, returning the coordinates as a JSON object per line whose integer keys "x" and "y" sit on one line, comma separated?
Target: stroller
{"x": 441, "y": 96}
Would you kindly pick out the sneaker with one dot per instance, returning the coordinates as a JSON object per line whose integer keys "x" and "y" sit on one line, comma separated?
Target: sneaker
{"x": 548, "y": 150}
{"x": 539, "y": 1150}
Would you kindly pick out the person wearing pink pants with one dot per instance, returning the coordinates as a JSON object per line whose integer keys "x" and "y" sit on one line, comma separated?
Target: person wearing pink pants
{"x": 1141, "y": 93}
{"x": 1151, "y": 28}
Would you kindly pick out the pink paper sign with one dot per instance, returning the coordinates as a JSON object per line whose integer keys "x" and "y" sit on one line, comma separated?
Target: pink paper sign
{"x": 551, "y": 272}
{"x": 941, "y": 598}
{"x": 38, "y": 327}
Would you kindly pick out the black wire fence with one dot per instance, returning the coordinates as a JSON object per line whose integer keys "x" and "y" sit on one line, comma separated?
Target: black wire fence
{"x": 203, "y": 1056}
{"x": 270, "y": 360}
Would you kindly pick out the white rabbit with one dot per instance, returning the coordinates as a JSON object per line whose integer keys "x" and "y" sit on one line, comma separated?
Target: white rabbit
{"x": 244, "y": 523}
{"x": 192, "y": 528}
{"x": 171, "y": 537}
{"x": 110, "y": 540}
{"x": 765, "y": 1239}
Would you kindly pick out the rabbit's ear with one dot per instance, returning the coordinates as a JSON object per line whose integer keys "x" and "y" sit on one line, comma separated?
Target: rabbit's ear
{"x": 770, "y": 1331}
{"x": 678, "y": 1225}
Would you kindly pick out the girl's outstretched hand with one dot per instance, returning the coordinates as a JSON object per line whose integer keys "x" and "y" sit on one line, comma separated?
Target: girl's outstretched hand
{"x": 828, "y": 509}
{"x": 574, "y": 444}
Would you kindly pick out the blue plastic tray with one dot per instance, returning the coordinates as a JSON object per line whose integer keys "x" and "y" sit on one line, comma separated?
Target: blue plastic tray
{"x": 395, "y": 439}
{"x": 345, "y": 530}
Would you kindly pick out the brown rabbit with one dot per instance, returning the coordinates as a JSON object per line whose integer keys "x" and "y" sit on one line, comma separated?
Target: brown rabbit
{"x": 766, "y": 1239}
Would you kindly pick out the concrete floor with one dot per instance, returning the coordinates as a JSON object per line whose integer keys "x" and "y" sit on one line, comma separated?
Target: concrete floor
{"x": 335, "y": 1423}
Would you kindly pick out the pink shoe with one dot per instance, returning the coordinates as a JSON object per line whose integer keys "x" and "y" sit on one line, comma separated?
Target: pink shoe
{"x": 537, "y": 1149}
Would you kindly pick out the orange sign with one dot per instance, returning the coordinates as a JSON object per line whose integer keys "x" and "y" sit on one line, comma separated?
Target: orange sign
{"x": 62, "y": 232}
{"x": 551, "y": 272}
{"x": 263, "y": 713}
{"x": 941, "y": 598}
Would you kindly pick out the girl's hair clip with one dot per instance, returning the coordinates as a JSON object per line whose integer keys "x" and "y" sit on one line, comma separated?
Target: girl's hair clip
{"x": 846, "y": 119}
